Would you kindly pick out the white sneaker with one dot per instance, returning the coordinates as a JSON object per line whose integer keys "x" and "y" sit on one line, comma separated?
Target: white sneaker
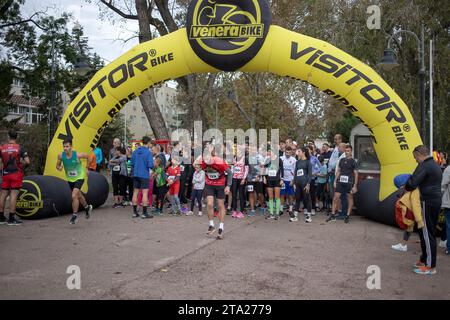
{"x": 400, "y": 247}
{"x": 308, "y": 219}
{"x": 313, "y": 212}
{"x": 200, "y": 213}
{"x": 293, "y": 219}
{"x": 190, "y": 213}
{"x": 443, "y": 244}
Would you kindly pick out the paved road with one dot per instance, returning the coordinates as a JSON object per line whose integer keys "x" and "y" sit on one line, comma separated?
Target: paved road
{"x": 171, "y": 258}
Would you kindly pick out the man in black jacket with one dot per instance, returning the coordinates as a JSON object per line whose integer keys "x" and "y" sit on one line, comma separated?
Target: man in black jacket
{"x": 427, "y": 177}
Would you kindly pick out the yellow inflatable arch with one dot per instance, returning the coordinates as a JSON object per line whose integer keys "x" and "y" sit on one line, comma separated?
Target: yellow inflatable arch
{"x": 237, "y": 35}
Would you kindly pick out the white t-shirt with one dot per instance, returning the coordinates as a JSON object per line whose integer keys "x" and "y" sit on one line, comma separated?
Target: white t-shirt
{"x": 289, "y": 167}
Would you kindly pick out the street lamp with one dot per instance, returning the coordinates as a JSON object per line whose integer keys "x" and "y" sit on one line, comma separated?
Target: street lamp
{"x": 388, "y": 62}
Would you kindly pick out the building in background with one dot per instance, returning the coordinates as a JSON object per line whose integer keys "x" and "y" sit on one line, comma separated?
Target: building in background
{"x": 136, "y": 120}
{"x": 27, "y": 109}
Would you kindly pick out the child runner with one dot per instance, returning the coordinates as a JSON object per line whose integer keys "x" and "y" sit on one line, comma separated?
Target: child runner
{"x": 173, "y": 181}
{"x": 198, "y": 181}
{"x": 159, "y": 178}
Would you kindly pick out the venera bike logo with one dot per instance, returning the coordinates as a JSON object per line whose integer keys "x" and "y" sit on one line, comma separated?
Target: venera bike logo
{"x": 29, "y": 200}
{"x": 227, "y": 34}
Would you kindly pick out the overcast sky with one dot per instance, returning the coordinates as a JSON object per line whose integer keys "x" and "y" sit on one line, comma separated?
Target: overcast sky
{"x": 102, "y": 34}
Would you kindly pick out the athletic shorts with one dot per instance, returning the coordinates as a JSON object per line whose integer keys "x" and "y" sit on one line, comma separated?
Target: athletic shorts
{"x": 76, "y": 184}
{"x": 257, "y": 187}
{"x": 174, "y": 189}
{"x": 215, "y": 191}
{"x": 12, "y": 181}
{"x": 343, "y": 187}
{"x": 141, "y": 183}
{"x": 287, "y": 189}
{"x": 273, "y": 183}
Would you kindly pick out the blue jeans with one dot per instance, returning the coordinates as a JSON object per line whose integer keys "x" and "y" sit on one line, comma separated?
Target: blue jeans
{"x": 447, "y": 226}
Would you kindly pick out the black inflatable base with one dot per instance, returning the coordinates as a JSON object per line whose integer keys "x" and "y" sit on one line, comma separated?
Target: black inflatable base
{"x": 368, "y": 205}
{"x": 46, "y": 196}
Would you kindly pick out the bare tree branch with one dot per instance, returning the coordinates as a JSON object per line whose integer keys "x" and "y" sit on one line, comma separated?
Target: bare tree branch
{"x": 164, "y": 10}
{"x": 118, "y": 11}
{"x": 30, "y": 19}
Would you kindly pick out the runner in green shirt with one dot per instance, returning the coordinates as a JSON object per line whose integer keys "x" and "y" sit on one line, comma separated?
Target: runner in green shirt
{"x": 70, "y": 160}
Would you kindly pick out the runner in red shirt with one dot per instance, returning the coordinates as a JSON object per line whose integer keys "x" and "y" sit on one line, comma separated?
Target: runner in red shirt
{"x": 13, "y": 157}
{"x": 218, "y": 182}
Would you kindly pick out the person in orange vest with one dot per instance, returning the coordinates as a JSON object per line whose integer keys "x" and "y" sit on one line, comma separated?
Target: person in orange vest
{"x": 92, "y": 161}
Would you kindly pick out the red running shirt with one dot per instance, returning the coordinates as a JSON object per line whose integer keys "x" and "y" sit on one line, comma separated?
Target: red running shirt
{"x": 215, "y": 171}
{"x": 10, "y": 155}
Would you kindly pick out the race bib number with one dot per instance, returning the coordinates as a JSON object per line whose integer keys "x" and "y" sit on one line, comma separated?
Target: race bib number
{"x": 237, "y": 170}
{"x": 272, "y": 173}
{"x": 283, "y": 186}
{"x": 343, "y": 179}
{"x": 250, "y": 188}
{"x": 171, "y": 178}
{"x": 213, "y": 175}
{"x": 300, "y": 173}
{"x": 73, "y": 173}
{"x": 116, "y": 168}
{"x": 181, "y": 168}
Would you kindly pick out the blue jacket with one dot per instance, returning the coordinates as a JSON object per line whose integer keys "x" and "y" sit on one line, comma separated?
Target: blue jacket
{"x": 141, "y": 162}
{"x": 98, "y": 155}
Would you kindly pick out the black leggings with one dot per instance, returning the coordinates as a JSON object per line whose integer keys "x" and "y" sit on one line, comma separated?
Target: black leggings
{"x": 129, "y": 188}
{"x": 300, "y": 195}
{"x": 235, "y": 187}
{"x": 160, "y": 195}
{"x": 313, "y": 193}
{"x": 119, "y": 185}
{"x": 196, "y": 195}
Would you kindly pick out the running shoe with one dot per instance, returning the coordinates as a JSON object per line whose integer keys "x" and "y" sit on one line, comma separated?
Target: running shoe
{"x": 252, "y": 213}
{"x": 135, "y": 215}
{"x": 211, "y": 230}
{"x": 184, "y": 210}
{"x": 12, "y": 221}
{"x": 146, "y": 216}
{"x": 419, "y": 264}
{"x": 425, "y": 271}
{"x": 308, "y": 219}
{"x": 270, "y": 217}
{"x": 200, "y": 214}
{"x": 189, "y": 213}
{"x": 116, "y": 205}
{"x": 240, "y": 215}
{"x": 293, "y": 219}
{"x": 331, "y": 218}
{"x": 347, "y": 219}
{"x": 88, "y": 211}
{"x": 234, "y": 214}
{"x": 447, "y": 252}
{"x": 276, "y": 218}
{"x": 2, "y": 220}
{"x": 220, "y": 234}
{"x": 73, "y": 220}
{"x": 313, "y": 212}
{"x": 262, "y": 211}
{"x": 400, "y": 247}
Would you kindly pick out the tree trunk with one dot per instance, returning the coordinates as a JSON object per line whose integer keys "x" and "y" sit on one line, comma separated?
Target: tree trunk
{"x": 148, "y": 98}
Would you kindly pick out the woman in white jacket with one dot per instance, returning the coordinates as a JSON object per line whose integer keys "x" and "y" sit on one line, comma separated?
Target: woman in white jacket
{"x": 446, "y": 203}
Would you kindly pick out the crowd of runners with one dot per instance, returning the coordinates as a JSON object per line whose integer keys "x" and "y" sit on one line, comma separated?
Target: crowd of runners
{"x": 230, "y": 179}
